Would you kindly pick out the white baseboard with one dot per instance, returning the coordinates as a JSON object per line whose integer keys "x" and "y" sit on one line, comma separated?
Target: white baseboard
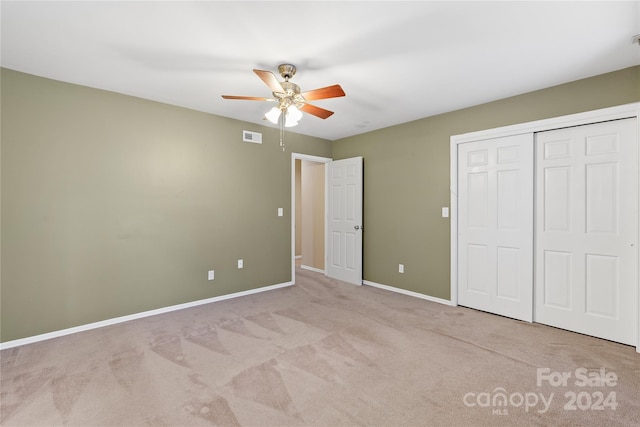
{"x": 116, "y": 320}
{"x": 406, "y": 292}
{"x": 317, "y": 270}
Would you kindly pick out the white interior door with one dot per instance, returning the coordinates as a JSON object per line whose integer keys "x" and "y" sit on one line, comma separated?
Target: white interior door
{"x": 495, "y": 226}
{"x": 344, "y": 220}
{"x": 587, "y": 229}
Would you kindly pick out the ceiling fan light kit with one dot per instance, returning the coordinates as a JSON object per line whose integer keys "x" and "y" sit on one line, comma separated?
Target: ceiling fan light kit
{"x": 291, "y": 101}
{"x": 291, "y": 116}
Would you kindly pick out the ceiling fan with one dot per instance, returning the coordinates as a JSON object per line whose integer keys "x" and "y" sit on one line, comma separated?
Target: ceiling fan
{"x": 289, "y": 97}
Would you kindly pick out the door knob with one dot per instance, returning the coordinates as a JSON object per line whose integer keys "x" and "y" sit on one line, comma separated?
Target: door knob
{"x": 357, "y": 227}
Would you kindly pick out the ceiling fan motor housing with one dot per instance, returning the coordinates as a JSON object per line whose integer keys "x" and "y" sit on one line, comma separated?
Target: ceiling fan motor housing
{"x": 290, "y": 94}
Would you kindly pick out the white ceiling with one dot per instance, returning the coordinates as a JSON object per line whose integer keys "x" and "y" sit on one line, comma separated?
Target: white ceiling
{"x": 396, "y": 61}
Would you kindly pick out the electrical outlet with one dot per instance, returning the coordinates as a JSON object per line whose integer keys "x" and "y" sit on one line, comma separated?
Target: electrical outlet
{"x": 211, "y": 275}
{"x": 400, "y": 268}
{"x": 240, "y": 263}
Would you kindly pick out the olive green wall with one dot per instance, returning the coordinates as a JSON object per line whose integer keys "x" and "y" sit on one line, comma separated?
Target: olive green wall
{"x": 113, "y": 205}
{"x": 406, "y": 176}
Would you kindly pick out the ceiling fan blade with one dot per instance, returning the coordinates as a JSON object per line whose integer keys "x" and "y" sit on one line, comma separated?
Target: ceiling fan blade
{"x": 270, "y": 79}
{"x": 247, "y": 98}
{"x": 334, "y": 91}
{"x": 316, "y": 111}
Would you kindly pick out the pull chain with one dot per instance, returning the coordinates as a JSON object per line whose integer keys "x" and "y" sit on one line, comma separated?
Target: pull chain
{"x": 282, "y": 118}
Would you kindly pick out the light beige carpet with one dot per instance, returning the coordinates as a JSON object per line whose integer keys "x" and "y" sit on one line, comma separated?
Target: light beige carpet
{"x": 321, "y": 353}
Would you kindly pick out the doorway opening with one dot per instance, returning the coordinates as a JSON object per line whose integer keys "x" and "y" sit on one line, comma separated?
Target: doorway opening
{"x": 308, "y": 218}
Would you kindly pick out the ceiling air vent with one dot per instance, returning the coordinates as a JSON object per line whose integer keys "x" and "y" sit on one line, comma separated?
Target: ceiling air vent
{"x": 248, "y": 136}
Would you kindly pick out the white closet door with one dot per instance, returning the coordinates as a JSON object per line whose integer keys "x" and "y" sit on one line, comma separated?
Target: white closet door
{"x": 495, "y": 226}
{"x": 587, "y": 229}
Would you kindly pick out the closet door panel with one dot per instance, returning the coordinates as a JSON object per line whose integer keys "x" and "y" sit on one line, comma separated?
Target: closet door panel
{"x": 587, "y": 229}
{"x": 495, "y": 226}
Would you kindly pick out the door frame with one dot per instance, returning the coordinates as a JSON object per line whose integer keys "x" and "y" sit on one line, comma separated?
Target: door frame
{"x": 612, "y": 113}
{"x": 317, "y": 159}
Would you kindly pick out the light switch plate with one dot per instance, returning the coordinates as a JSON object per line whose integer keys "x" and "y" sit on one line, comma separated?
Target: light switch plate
{"x": 240, "y": 263}
{"x": 445, "y": 212}
{"x": 211, "y": 275}
{"x": 280, "y": 211}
